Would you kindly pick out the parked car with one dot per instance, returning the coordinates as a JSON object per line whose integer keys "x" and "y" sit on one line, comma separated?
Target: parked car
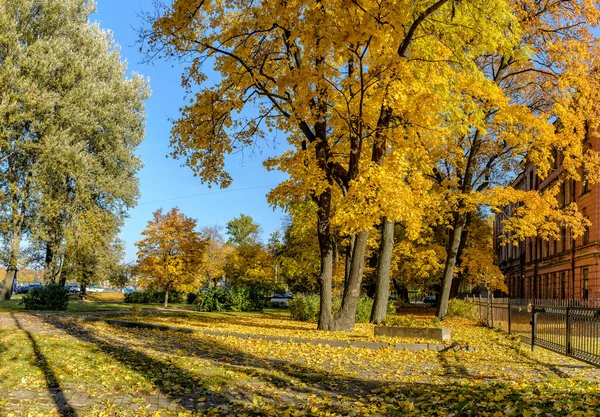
{"x": 95, "y": 288}
{"x": 24, "y": 289}
{"x": 127, "y": 290}
{"x": 431, "y": 300}
{"x": 73, "y": 289}
{"x": 280, "y": 300}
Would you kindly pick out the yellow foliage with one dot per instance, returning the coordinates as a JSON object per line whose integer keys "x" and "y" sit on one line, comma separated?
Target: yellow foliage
{"x": 171, "y": 253}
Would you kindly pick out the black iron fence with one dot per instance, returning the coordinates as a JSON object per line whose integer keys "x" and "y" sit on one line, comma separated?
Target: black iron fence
{"x": 569, "y": 327}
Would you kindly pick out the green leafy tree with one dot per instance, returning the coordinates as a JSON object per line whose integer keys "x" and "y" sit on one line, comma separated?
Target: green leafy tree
{"x": 243, "y": 230}
{"x": 70, "y": 123}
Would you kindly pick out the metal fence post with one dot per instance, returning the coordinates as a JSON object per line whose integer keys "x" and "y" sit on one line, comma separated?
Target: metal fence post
{"x": 509, "y": 318}
{"x": 568, "y": 331}
{"x": 492, "y": 308}
{"x": 533, "y": 327}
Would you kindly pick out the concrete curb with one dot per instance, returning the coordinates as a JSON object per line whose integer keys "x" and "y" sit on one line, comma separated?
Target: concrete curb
{"x": 411, "y": 347}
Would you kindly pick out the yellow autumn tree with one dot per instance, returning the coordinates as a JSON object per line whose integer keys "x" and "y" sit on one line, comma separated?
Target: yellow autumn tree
{"x": 534, "y": 103}
{"x": 170, "y": 254}
{"x": 347, "y": 81}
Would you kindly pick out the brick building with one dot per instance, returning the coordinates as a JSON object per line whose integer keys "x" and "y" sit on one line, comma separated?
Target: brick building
{"x": 555, "y": 269}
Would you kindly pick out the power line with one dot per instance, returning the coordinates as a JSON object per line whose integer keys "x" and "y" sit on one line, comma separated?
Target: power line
{"x": 203, "y": 194}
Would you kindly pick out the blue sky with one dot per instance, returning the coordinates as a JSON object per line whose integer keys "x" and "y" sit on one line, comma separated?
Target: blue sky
{"x": 163, "y": 182}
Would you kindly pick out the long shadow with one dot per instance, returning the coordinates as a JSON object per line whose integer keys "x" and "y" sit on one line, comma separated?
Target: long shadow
{"x": 423, "y": 396}
{"x": 52, "y": 384}
{"x": 171, "y": 380}
{"x": 450, "y": 369}
{"x": 527, "y": 357}
{"x": 178, "y": 384}
{"x": 236, "y": 321}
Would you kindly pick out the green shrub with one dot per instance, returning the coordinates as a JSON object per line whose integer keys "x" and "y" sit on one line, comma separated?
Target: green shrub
{"x": 51, "y": 297}
{"x": 461, "y": 308}
{"x": 239, "y": 299}
{"x": 152, "y": 297}
{"x": 363, "y": 309}
{"x": 258, "y": 296}
{"x": 304, "y": 307}
{"x": 192, "y": 298}
{"x": 214, "y": 299}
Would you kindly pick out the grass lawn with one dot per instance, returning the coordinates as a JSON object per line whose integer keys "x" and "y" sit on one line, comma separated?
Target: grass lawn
{"x": 124, "y": 372}
{"x": 103, "y": 301}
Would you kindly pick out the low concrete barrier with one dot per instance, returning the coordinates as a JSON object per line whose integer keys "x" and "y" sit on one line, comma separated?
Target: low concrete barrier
{"x": 440, "y": 335}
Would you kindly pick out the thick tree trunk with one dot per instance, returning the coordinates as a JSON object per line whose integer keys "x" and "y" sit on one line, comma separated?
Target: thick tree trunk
{"x": 346, "y": 317}
{"x": 48, "y": 269}
{"x": 349, "y": 252}
{"x": 7, "y": 286}
{"x": 382, "y": 279}
{"x": 83, "y": 291}
{"x": 453, "y": 245}
{"x": 325, "y": 279}
{"x": 461, "y": 247}
{"x": 166, "y": 298}
{"x": 401, "y": 291}
{"x": 11, "y": 271}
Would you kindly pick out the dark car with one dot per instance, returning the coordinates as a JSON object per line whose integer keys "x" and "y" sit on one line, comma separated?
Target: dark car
{"x": 431, "y": 300}
{"x": 24, "y": 289}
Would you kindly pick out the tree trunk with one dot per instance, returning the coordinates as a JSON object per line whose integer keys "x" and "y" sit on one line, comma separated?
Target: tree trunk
{"x": 349, "y": 252}
{"x": 345, "y": 318}
{"x": 11, "y": 271}
{"x": 83, "y": 291}
{"x": 382, "y": 280}
{"x": 166, "y": 298}
{"x": 453, "y": 245}
{"x": 48, "y": 270}
{"x": 401, "y": 291}
{"x": 325, "y": 279}
{"x": 461, "y": 247}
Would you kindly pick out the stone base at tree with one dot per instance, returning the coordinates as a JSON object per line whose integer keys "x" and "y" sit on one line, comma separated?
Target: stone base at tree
{"x": 440, "y": 335}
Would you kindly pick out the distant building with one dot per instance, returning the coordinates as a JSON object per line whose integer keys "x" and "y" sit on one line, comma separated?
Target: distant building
{"x": 555, "y": 269}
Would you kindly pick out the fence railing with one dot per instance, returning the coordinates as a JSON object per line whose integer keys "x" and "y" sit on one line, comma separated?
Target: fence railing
{"x": 569, "y": 327}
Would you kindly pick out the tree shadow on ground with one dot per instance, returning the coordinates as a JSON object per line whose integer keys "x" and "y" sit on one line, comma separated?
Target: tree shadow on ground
{"x": 178, "y": 384}
{"x": 234, "y": 319}
{"x": 52, "y": 384}
{"x": 464, "y": 397}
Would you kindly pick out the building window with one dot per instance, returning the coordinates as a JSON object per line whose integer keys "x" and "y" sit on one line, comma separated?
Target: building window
{"x": 563, "y": 238}
{"x": 554, "y": 292}
{"x": 562, "y": 197}
{"x": 585, "y": 186}
{"x": 530, "y": 251}
{"x": 554, "y": 246}
{"x": 584, "y": 283}
{"x": 562, "y": 285}
{"x": 531, "y": 180}
{"x": 585, "y": 238}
